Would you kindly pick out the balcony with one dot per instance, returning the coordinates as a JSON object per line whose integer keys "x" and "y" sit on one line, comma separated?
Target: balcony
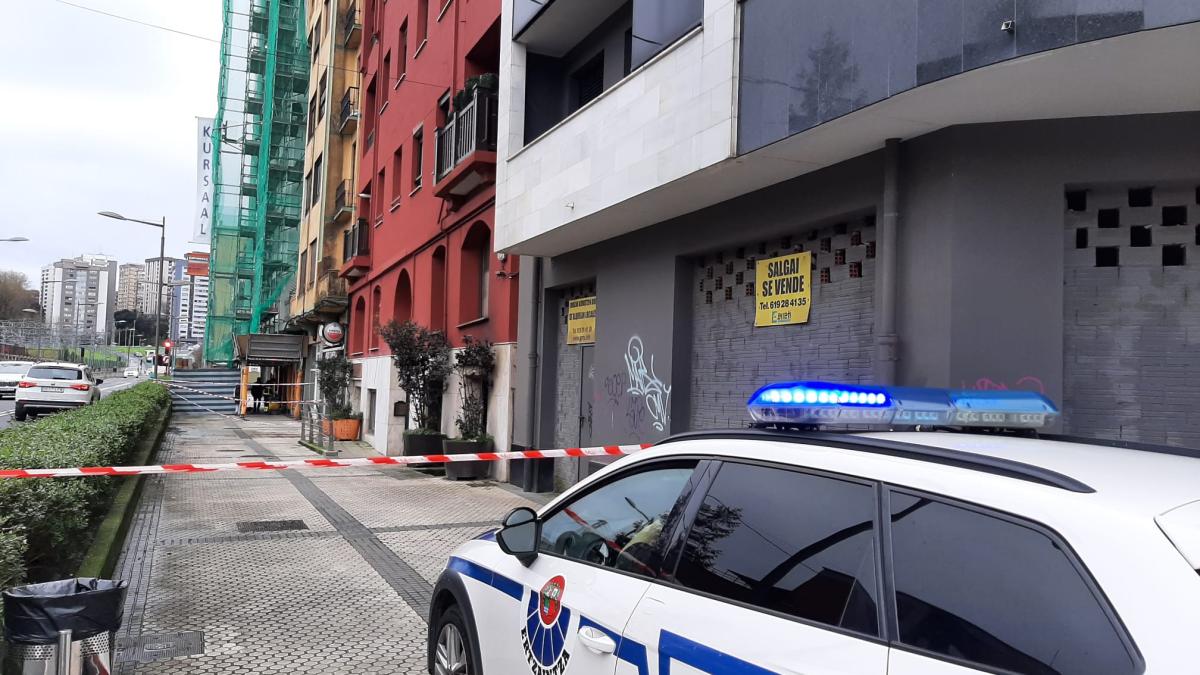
{"x": 348, "y": 113}
{"x": 351, "y": 27}
{"x": 356, "y": 250}
{"x": 343, "y": 202}
{"x": 466, "y": 148}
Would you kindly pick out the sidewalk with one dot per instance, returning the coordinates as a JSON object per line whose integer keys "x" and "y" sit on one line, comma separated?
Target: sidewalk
{"x": 299, "y": 571}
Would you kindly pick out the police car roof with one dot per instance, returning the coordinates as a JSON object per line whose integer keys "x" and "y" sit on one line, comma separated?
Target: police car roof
{"x": 1148, "y": 482}
{"x": 1155, "y": 479}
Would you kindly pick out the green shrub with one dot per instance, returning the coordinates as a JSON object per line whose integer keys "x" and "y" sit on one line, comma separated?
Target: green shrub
{"x": 45, "y": 523}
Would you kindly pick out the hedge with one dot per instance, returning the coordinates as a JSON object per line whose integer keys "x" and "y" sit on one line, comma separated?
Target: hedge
{"x": 45, "y": 524}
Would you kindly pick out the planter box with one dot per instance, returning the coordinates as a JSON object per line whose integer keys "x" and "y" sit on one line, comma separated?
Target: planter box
{"x": 466, "y": 470}
{"x": 423, "y": 444}
{"x": 342, "y": 429}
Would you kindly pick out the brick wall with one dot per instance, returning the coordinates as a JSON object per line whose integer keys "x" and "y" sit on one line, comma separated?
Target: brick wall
{"x": 1132, "y": 313}
{"x": 731, "y": 358}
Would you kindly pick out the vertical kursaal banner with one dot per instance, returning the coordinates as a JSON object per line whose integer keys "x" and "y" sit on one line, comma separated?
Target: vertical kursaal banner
{"x": 204, "y": 180}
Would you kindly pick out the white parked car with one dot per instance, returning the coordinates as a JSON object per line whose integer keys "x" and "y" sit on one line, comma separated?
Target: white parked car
{"x": 11, "y": 372}
{"x": 131, "y": 372}
{"x": 979, "y": 546}
{"x": 50, "y": 386}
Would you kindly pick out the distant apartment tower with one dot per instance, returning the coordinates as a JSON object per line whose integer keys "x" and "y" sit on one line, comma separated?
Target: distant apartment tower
{"x": 189, "y": 303}
{"x": 130, "y": 276}
{"x": 79, "y": 295}
{"x": 149, "y": 292}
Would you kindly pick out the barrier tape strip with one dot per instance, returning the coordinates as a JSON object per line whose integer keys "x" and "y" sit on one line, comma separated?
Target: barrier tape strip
{"x": 325, "y": 463}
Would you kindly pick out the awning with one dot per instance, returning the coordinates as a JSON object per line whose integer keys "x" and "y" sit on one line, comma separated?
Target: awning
{"x": 268, "y": 349}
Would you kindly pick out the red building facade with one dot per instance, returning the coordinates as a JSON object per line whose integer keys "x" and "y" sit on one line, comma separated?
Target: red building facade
{"x": 422, "y": 249}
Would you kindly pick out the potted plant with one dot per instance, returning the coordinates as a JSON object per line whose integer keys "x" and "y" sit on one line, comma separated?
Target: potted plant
{"x": 333, "y": 381}
{"x": 474, "y": 364}
{"x": 422, "y": 361}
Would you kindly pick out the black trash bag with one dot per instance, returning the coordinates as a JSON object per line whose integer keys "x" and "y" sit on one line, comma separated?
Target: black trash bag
{"x": 34, "y": 614}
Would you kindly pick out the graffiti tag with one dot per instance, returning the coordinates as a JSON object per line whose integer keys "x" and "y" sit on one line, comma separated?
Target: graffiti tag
{"x": 645, "y": 383}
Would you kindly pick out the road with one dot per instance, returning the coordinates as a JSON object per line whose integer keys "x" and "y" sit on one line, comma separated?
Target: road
{"x": 109, "y": 386}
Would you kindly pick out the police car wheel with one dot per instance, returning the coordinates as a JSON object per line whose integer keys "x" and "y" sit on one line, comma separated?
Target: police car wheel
{"x": 453, "y": 653}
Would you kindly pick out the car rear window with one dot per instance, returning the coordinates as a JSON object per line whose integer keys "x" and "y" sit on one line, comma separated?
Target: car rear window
{"x": 55, "y": 373}
{"x": 13, "y": 367}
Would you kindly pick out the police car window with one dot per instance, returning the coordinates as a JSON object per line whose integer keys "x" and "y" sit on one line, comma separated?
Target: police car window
{"x": 787, "y": 541}
{"x": 620, "y": 524}
{"x": 996, "y": 593}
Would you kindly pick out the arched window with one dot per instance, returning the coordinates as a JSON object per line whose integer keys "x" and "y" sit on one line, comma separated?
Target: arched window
{"x": 358, "y": 325}
{"x": 473, "y": 289}
{"x": 376, "y": 307}
{"x": 437, "y": 290}
{"x": 402, "y": 306}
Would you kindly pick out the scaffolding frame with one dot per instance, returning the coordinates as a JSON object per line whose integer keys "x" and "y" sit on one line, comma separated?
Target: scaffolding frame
{"x": 258, "y": 169}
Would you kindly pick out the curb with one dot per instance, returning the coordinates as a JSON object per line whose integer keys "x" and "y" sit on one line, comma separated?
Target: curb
{"x": 105, "y": 549}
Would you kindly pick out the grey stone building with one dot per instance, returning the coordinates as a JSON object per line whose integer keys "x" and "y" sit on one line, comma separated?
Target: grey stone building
{"x": 1011, "y": 201}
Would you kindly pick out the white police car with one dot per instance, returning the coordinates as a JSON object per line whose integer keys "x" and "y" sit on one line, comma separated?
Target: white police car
{"x": 791, "y": 550}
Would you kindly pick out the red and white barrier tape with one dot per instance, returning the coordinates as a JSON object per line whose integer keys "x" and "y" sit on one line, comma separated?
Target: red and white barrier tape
{"x": 600, "y": 451}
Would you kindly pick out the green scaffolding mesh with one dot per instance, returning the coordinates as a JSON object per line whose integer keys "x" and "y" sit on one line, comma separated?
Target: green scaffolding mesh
{"x": 258, "y": 169}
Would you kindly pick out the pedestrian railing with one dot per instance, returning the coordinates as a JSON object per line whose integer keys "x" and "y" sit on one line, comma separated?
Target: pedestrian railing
{"x": 316, "y": 427}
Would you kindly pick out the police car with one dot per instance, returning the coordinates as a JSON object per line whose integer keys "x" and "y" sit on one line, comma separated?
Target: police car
{"x": 961, "y": 540}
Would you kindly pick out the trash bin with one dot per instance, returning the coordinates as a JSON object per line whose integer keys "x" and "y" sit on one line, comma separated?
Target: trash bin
{"x": 62, "y": 627}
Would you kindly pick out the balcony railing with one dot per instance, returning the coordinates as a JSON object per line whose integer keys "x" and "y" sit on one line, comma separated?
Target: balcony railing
{"x": 343, "y": 201}
{"x": 348, "y": 112}
{"x": 468, "y": 130}
{"x": 351, "y": 27}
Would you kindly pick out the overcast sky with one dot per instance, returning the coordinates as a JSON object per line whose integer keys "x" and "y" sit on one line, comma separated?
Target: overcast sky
{"x": 99, "y": 114}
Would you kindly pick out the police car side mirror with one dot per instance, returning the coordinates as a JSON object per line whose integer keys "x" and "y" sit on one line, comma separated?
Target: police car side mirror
{"x": 520, "y": 534}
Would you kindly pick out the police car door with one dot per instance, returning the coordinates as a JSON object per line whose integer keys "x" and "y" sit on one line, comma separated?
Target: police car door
{"x": 777, "y": 574}
{"x": 597, "y": 552}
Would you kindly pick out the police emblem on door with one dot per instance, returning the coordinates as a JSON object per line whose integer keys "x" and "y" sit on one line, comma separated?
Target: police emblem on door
{"x": 544, "y": 636}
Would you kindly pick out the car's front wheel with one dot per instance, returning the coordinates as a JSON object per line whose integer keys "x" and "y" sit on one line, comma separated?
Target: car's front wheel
{"x": 452, "y": 655}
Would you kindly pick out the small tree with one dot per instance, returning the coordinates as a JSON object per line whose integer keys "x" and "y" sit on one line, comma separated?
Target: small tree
{"x": 333, "y": 380}
{"x": 422, "y": 360}
{"x": 474, "y": 363}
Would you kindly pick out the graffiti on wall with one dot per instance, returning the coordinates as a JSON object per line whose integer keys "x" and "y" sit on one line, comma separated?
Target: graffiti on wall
{"x": 643, "y": 382}
{"x": 1023, "y": 383}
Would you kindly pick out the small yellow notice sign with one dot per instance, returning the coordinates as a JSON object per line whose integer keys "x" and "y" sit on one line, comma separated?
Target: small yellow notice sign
{"x": 581, "y": 321}
{"x": 782, "y": 293}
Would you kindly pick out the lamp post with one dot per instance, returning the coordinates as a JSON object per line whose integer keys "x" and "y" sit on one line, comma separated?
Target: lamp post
{"x": 162, "y": 254}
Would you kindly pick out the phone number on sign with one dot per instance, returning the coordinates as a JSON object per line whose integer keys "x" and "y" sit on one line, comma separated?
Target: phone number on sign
{"x": 784, "y": 304}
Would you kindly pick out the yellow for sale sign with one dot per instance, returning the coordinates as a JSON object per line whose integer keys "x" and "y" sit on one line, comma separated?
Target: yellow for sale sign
{"x": 782, "y": 292}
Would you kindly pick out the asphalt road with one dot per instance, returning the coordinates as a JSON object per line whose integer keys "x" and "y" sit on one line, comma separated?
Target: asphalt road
{"x": 109, "y": 386}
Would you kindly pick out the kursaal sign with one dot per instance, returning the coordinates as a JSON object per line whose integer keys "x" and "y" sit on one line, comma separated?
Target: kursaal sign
{"x": 204, "y": 180}
{"x": 782, "y": 289}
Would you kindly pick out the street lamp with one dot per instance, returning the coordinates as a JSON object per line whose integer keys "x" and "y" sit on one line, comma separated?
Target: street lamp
{"x": 162, "y": 254}
{"x": 15, "y": 239}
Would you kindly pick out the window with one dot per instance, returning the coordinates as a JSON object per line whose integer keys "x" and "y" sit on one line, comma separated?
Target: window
{"x": 316, "y": 41}
{"x": 621, "y": 523}
{"x": 437, "y": 290}
{"x": 387, "y": 72}
{"x": 990, "y": 591}
{"x": 422, "y": 20}
{"x": 316, "y": 183}
{"x": 312, "y": 115}
{"x": 402, "y": 55}
{"x": 303, "y": 268}
{"x": 402, "y": 303}
{"x": 397, "y": 184}
{"x": 786, "y": 541}
{"x": 443, "y": 107}
{"x": 587, "y": 82}
{"x": 474, "y": 282}
{"x": 308, "y": 186}
{"x": 418, "y": 150}
{"x": 378, "y": 203}
{"x": 312, "y": 246}
{"x": 322, "y": 97}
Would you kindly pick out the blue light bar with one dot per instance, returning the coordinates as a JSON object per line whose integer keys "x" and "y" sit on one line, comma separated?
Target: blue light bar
{"x": 816, "y": 403}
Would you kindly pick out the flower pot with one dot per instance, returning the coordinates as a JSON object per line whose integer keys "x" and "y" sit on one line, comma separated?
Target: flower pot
{"x": 347, "y": 429}
{"x": 466, "y": 470}
{"x": 422, "y": 444}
